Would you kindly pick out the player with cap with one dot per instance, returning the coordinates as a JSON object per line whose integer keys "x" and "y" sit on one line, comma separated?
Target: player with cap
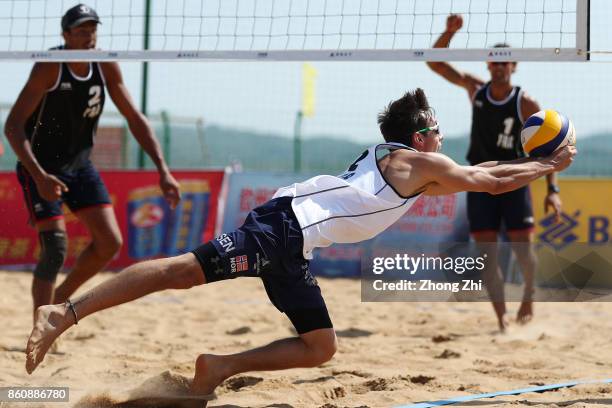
{"x": 51, "y": 127}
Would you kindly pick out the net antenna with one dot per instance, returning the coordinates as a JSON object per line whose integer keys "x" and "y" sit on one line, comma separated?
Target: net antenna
{"x": 305, "y": 30}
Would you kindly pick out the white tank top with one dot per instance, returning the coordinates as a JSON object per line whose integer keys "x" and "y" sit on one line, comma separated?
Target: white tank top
{"x": 352, "y": 207}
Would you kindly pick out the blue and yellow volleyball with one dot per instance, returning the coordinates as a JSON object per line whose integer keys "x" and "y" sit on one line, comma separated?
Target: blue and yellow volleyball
{"x": 546, "y": 131}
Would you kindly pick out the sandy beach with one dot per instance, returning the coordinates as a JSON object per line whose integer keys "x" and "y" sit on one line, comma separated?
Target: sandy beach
{"x": 389, "y": 354}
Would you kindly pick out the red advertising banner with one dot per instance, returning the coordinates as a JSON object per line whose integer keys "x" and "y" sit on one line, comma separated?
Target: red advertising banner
{"x": 148, "y": 226}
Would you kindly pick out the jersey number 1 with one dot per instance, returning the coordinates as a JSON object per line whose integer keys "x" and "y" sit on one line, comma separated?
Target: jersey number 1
{"x": 506, "y": 140}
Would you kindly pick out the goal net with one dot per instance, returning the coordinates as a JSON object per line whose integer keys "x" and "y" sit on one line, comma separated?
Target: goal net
{"x": 292, "y": 30}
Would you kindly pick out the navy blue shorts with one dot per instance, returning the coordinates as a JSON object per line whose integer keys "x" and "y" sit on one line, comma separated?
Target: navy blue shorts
{"x": 85, "y": 189}
{"x": 486, "y": 212}
{"x": 269, "y": 245}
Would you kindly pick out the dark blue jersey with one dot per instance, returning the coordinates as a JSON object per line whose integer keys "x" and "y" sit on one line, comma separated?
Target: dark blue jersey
{"x": 62, "y": 128}
{"x": 496, "y": 127}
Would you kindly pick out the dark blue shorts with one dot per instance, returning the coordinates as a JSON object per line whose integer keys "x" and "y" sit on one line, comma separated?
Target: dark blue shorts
{"x": 85, "y": 189}
{"x": 486, "y": 212}
{"x": 269, "y": 245}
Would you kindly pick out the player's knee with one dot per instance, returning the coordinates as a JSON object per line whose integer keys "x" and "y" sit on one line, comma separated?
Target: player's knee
{"x": 114, "y": 243}
{"x": 53, "y": 249}
{"x": 109, "y": 246}
{"x": 525, "y": 253}
{"x": 327, "y": 350}
{"x": 322, "y": 346}
{"x": 531, "y": 260}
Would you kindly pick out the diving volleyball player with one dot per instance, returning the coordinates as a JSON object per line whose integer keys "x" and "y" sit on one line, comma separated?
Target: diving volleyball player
{"x": 277, "y": 239}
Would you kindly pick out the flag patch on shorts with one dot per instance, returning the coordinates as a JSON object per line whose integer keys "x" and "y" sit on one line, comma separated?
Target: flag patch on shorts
{"x": 239, "y": 263}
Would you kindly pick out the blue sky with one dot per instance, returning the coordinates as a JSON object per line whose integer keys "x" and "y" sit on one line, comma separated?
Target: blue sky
{"x": 264, "y": 96}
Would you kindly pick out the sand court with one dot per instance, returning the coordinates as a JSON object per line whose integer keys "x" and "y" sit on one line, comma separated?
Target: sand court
{"x": 389, "y": 354}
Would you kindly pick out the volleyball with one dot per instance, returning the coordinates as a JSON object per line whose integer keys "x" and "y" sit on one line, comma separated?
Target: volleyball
{"x": 546, "y": 131}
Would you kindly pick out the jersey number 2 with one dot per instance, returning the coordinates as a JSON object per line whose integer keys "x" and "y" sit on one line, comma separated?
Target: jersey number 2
{"x": 350, "y": 172}
{"x": 93, "y": 104}
{"x": 353, "y": 166}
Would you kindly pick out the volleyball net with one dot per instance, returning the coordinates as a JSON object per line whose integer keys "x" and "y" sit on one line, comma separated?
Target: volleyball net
{"x": 537, "y": 30}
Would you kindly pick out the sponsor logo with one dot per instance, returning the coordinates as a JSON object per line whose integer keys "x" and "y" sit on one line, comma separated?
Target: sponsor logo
{"x": 340, "y": 54}
{"x": 65, "y": 86}
{"x": 239, "y": 263}
{"x": 226, "y": 242}
{"x": 147, "y": 215}
{"x": 218, "y": 267}
{"x": 478, "y": 104}
{"x": 561, "y": 234}
{"x": 599, "y": 229}
{"x": 500, "y": 53}
{"x": 260, "y": 263}
{"x": 35, "y": 55}
{"x": 188, "y": 55}
{"x": 418, "y": 53}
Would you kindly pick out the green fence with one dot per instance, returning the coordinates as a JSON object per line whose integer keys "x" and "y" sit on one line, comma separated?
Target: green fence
{"x": 189, "y": 142}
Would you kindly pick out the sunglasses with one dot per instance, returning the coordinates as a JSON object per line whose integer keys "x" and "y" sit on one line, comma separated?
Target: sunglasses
{"x": 435, "y": 127}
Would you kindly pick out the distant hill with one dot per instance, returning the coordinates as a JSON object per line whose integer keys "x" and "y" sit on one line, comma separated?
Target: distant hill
{"x": 255, "y": 151}
{"x": 220, "y": 146}
{"x": 327, "y": 154}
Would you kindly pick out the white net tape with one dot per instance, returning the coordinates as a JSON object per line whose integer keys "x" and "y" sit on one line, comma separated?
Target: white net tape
{"x": 299, "y": 29}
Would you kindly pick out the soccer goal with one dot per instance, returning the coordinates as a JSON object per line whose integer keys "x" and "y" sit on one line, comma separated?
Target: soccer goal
{"x": 305, "y": 30}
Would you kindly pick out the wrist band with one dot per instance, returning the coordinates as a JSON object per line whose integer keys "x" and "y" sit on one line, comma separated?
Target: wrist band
{"x": 70, "y": 306}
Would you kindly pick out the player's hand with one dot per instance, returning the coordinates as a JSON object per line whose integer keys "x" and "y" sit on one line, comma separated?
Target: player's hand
{"x": 50, "y": 187}
{"x": 170, "y": 188}
{"x": 562, "y": 158}
{"x": 553, "y": 201}
{"x": 454, "y": 22}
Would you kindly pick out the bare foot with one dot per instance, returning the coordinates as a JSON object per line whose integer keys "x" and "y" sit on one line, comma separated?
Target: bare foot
{"x": 525, "y": 312}
{"x": 500, "y": 312}
{"x": 208, "y": 374}
{"x": 51, "y": 321}
{"x": 502, "y": 323}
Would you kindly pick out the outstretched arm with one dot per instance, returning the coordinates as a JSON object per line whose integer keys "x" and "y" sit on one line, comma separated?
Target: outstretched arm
{"x": 552, "y": 200}
{"x": 140, "y": 128}
{"x": 471, "y": 83}
{"x": 448, "y": 177}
